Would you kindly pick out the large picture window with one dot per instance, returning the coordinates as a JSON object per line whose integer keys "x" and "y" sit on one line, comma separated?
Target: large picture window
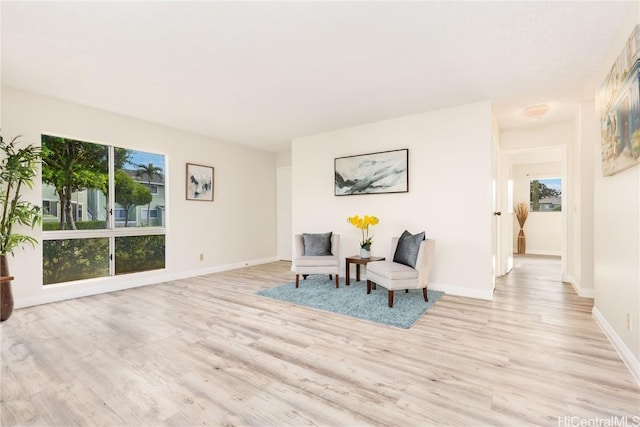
{"x": 95, "y": 199}
{"x": 545, "y": 195}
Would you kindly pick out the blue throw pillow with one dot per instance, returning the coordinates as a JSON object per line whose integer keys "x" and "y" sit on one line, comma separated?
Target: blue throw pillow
{"x": 317, "y": 244}
{"x": 407, "y": 250}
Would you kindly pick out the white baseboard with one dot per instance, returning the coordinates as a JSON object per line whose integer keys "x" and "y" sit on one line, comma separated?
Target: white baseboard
{"x": 218, "y": 268}
{"x": 543, "y": 252}
{"x": 485, "y": 294}
{"x": 626, "y": 355}
{"x": 584, "y": 293}
{"x": 61, "y": 292}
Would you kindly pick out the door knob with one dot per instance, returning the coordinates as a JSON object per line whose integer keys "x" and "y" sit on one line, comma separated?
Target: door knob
{"x": 497, "y": 213}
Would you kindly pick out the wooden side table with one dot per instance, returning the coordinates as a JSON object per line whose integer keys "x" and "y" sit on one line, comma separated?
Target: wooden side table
{"x": 358, "y": 261}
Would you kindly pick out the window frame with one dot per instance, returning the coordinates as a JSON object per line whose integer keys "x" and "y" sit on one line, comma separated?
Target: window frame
{"x": 544, "y": 178}
{"x": 111, "y": 231}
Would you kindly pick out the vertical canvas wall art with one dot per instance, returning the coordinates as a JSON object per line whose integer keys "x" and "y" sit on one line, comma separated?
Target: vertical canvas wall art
{"x": 383, "y": 172}
{"x": 620, "y": 110}
{"x": 199, "y": 182}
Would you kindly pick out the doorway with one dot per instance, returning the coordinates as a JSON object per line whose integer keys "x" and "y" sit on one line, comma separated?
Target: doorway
{"x": 548, "y": 231}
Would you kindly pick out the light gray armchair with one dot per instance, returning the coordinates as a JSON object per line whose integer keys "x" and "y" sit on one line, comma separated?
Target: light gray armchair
{"x": 317, "y": 254}
{"x": 396, "y": 276}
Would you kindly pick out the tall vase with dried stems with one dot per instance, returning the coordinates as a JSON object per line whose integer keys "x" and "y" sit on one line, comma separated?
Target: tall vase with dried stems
{"x": 522, "y": 211}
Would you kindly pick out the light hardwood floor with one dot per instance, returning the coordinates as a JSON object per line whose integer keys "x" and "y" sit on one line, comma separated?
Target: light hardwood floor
{"x": 207, "y": 351}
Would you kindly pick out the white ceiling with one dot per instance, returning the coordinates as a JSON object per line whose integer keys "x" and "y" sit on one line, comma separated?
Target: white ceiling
{"x": 262, "y": 73}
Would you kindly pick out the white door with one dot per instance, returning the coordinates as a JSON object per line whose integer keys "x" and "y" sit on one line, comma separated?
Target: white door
{"x": 283, "y": 213}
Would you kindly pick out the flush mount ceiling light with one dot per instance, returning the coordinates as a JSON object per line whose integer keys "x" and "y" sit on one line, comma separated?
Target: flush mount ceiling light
{"x": 535, "y": 112}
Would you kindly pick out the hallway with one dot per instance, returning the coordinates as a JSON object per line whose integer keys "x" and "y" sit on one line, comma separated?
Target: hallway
{"x": 534, "y": 286}
{"x": 536, "y": 281}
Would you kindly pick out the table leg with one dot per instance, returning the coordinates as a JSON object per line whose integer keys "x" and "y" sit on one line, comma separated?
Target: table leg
{"x": 357, "y": 272}
{"x": 346, "y": 280}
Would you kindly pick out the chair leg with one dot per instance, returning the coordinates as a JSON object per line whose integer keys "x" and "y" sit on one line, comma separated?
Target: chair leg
{"x": 331, "y": 277}
{"x": 406, "y": 291}
{"x": 424, "y": 294}
{"x": 304, "y": 276}
{"x": 297, "y": 280}
{"x": 368, "y": 287}
{"x": 390, "y": 299}
{"x": 337, "y": 281}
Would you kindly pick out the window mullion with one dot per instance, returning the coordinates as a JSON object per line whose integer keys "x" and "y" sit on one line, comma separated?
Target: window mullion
{"x": 111, "y": 216}
{"x": 112, "y": 189}
{"x": 112, "y": 256}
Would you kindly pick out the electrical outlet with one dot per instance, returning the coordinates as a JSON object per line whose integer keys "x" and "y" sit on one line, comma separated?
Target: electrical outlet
{"x": 629, "y": 321}
{"x": 201, "y": 257}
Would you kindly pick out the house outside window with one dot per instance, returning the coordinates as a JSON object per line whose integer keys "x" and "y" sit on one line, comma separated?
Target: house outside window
{"x": 76, "y": 211}
{"x": 119, "y": 214}
{"x": 154, "y": 214}
{"x": 50, "y": 208}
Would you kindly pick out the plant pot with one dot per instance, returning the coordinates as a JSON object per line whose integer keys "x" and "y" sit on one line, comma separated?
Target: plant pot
{"x": 6, "y": 296}
{"x": 365, "y": 253}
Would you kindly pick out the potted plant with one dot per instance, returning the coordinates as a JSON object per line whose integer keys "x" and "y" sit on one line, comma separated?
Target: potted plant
{"x": 18, "y": 169}
{"x": 363, "y": 224}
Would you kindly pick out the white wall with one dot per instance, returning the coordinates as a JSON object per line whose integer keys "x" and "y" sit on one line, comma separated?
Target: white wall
{"x": 283, "y": 212}
{"x": 553, "y": 135}
{"x": 581, "y": 167}
{"x": 283, "y": 159}
{"x": 543, "y": 230}
{"x": 238, "y": 228}
{"x": 617, "y": 236}
{"x": 449, "y": 191}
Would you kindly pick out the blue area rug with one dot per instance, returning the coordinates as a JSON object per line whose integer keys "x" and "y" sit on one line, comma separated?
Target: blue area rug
{"x": 320, "y": 292}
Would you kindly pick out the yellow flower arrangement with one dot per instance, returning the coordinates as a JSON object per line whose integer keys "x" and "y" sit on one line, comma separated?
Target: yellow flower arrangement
{"x": 363, "y": 224}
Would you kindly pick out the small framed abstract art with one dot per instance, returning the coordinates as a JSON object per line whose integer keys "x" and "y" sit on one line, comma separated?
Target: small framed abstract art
{"x": 199, "y": 182}
{"x": 374, "y": 173}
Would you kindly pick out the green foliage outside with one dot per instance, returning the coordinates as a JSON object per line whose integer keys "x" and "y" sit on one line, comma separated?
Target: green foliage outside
{"x": 139, "y": 253}
{"x": 75, "y": 259}
{"x": 130, "y": 194}
{"x": 535, "y": 195}
{"x": 71, "y": 166}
